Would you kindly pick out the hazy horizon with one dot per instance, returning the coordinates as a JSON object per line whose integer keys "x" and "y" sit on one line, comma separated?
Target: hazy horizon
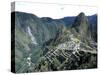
{"x": 54, "y": 11}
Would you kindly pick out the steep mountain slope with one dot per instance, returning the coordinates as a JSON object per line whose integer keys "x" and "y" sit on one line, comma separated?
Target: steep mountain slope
{"x": 30, "y": 33}
{"x": 46, "y": 44}
{"x": 93, "y": 26}
{"x": 67, "y": 52}
{"x": 81, "y": 24}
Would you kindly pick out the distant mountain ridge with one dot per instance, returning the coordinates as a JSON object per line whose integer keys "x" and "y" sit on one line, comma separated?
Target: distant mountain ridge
{"x": 66, "y": 19}
{"x": 47, "y": 42}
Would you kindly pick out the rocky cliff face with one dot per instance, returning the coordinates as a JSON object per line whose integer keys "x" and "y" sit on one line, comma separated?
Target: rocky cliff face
{"x": 81, "y": 24}
{"x": 46, "y": 44}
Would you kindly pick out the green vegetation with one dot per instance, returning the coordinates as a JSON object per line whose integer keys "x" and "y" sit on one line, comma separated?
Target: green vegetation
{"x": 59, "y": 45}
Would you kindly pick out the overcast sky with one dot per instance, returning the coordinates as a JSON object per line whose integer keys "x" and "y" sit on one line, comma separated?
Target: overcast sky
{"x": 54, "y": 10}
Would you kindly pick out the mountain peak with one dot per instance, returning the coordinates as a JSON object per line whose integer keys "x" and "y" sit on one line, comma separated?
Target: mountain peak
{"x": 81, "y": 17}
{"x": 82, "y": 14}
{"x": 81, "y": 24}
